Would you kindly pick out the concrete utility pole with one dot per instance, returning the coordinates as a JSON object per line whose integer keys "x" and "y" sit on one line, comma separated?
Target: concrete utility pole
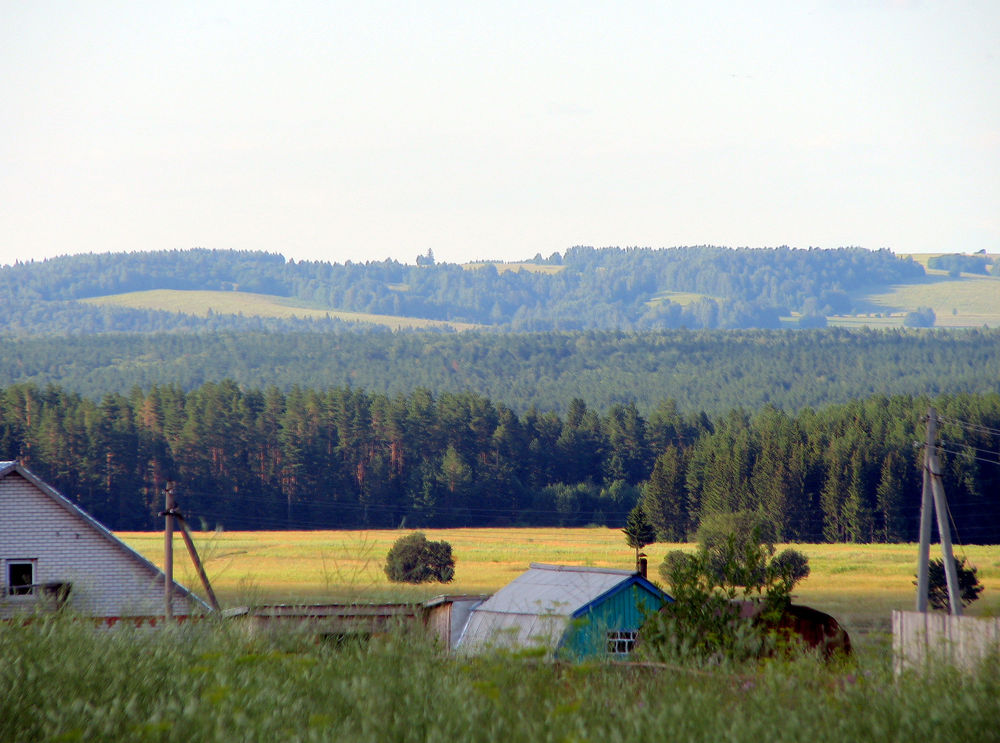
{"x": 168, "y": 553}
{"x": 934, "y": 489}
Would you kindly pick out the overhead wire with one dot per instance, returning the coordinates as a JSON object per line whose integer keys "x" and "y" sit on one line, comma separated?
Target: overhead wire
{"x": 969, "y": 426}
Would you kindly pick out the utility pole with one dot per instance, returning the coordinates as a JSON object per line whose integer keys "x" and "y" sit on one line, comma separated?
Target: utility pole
{"x": 933, "y": 491}
{"x": 186, "y": 533}
{"x": 171, "y": 512}
{"x": 168, "y": 553}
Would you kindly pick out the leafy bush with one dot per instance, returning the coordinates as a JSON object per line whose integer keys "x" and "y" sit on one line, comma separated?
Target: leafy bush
{"x": 969, "y": 586}
{"x": 744, "y": 528}
{"x": 705, "y": 622}
{"x": 415, "y": 559}
{"x": 923, "y": 317}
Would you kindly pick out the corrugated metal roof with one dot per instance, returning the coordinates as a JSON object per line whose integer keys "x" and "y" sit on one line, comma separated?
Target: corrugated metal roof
{"x": 554, "y": 589}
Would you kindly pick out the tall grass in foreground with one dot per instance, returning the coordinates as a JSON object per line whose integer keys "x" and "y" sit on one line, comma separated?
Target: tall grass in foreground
{"x": 62, "y": 680}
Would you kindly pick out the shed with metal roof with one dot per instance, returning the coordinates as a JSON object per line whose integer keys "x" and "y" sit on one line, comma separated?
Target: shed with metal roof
{"x": 567, "y": 611}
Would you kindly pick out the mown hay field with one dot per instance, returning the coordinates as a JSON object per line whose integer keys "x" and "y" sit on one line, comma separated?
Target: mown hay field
{"x": 860, "y": 584}
{"x": 201, "y": 303}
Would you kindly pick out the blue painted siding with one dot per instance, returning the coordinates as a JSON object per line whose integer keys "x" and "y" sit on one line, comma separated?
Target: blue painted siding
{"x": 623, "y": 610}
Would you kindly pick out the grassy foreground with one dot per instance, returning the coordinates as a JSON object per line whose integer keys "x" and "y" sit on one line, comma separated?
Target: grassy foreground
{"x": 860, "y": 584}
{"x": 66, "y": 681}
{"x": 63, "y": 680}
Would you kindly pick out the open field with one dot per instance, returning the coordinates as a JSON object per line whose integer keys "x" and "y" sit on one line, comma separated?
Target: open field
{"x": 681, "y": 298}
{"x": 860, "y": 584}
{"x": 968, "y": 301}
{"x": 255, "y": 305}
{"x": 208, "y": 680}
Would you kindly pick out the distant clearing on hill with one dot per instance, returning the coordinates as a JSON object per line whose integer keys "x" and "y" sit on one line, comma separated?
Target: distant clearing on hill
{"x": 967, "y": 301}
{"x": 503, "y": 267}
{"x": 255, "y": 305}
{"x": 681, "y": 298}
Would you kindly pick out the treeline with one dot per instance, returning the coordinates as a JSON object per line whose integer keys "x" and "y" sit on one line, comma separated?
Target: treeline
{"x": 586, "y": 288}
{"x": 345, "y": 458}
{"x": 958, "y": 263}
{"x": 712, "y": 371}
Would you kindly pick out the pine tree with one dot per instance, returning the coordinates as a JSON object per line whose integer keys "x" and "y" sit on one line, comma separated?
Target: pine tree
{"x": 663, "y": 498}
{"x": 638, "y": 531}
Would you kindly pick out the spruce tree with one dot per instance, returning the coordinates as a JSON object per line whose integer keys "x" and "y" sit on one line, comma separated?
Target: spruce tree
{"x": 638, "y": 531}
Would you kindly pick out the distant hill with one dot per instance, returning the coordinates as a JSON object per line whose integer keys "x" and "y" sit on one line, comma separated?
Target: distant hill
{"x": 582, "y": 289}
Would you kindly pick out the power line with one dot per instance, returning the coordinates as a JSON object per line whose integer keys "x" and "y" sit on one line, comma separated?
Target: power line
{"x": 970, "y": 426}
{"x": 967, "y": 455}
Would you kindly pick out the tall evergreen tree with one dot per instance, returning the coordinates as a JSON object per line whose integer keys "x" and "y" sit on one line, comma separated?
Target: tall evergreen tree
{"x": 663, "y": 497}
{"x": 638, "y": 531}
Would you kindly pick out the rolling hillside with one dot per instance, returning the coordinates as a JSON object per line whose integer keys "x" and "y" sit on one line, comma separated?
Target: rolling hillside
{"x": 632, "y": 289}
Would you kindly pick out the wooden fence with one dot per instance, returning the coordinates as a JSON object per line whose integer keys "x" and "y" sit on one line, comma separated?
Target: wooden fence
{"x": 919, "y": 638}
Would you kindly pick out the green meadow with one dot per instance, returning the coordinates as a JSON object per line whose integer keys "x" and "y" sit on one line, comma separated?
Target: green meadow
{"x": 860, "y": 584}
{"x": 255, "y": 305}
{"x": 212, "y": 680}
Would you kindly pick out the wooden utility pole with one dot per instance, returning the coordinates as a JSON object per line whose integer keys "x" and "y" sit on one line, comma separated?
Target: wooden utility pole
{"x": 933, "y": 490}
{"x": 168, "y": 553}
{"x": 186, "y": 533}
{"x": 171, "y": 512}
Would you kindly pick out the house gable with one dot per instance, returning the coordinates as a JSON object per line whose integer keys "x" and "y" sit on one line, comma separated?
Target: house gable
{"x": 64, "y": 545}
{"x": 609, "y": 625}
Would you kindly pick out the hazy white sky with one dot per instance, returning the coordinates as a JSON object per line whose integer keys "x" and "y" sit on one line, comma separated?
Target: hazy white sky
{"x": 366, "y": 130}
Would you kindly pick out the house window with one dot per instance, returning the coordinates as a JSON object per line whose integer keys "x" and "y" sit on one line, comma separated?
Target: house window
{"x": 621, "y": 642}
{"x": 20, "y": 577}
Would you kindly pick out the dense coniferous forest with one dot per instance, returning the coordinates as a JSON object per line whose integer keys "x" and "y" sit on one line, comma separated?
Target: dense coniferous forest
{"x": 584, "y": 288}
{"x": 712, "y": 371}
{"x": 609, "y": 394}
{"x": 344, "y": 458}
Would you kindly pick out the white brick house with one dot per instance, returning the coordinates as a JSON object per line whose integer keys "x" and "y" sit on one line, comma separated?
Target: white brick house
{"x": 51, "y": 552}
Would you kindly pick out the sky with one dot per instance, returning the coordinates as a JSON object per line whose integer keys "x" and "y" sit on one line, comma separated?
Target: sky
{"x": 497, "y": 130}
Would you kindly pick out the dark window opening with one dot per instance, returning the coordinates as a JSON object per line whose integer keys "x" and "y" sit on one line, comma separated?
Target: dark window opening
{"x": 621, "y": 642}
{"x": 20, "y": 578}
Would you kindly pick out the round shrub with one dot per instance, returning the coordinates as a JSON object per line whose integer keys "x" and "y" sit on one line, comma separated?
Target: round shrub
{"x": 415, "y": 559}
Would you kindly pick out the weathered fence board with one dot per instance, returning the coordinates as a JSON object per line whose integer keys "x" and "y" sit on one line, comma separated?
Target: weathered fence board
{"x": 918, "y": 638}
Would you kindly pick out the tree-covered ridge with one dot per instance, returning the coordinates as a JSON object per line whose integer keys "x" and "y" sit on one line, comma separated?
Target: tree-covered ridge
{"x": 345, "y": 458}
{"x": 702, "y": 370}
{"x": 607, "y": 288}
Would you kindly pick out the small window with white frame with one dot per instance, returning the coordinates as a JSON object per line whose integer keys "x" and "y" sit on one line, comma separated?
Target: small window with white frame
{"x": 621, "y": 642}
{"x": 20, "y": 577}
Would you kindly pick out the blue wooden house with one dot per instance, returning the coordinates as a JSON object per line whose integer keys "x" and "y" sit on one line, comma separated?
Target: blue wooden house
{"x": 570, "y": 612}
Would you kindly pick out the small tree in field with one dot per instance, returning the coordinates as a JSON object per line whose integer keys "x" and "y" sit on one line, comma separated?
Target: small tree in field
{"x": 638, "y": 531}
{"x": 415, "y": 559}
{"x": 969, "y": 586}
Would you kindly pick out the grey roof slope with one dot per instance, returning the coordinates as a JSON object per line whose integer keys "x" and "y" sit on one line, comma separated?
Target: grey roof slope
{"x": 536, "y": 607}
{"x": 7, "y": 467}
{"x": 554, "y": 589}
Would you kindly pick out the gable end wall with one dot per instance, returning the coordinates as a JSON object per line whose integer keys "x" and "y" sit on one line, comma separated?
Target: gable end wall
{"x": 107, "y": 581}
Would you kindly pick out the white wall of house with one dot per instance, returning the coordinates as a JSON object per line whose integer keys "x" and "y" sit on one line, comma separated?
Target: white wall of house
{"x": 108, "y": 578}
